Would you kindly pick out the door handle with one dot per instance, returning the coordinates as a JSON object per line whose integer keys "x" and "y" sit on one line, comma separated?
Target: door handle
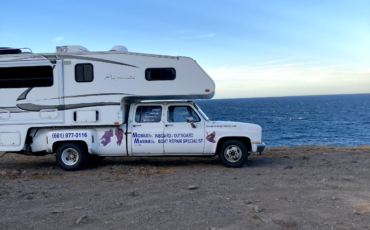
{"x": 135, "y": 125}
{"x": 168, "y": 125}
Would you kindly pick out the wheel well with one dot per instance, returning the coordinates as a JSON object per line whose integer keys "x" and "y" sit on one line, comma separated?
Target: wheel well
{"x": 245, "y": 140}
{"x": 56, "y": 145}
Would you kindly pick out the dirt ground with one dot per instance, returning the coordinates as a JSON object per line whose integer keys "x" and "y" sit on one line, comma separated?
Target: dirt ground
{"x": 303, "y": 187}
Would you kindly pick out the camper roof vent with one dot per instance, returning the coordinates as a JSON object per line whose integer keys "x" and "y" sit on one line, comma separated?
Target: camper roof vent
{"x": 119, "y": 48}
{"x": 8, "y": 50}
{"x": 71, "y": 49}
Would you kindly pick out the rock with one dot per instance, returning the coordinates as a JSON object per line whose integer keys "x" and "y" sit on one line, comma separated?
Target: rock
{"x": 162, "y": 211}
{"x": 24, "y": 172}
{"x": 286, "y": 156}
{"x": 78, "y": 208}
{"x": 56, "y": 212}
{"x": 81, "y": 219}
{"x": 15, "y": 172}
{"x": 3, "y": 173}
{"x": 257, "y": 218}
{"x": 285, "y": 223}
{"x": 362, "y": 208}
{"x": 258, "y": 174}
{"x": 51, "y": 167}
{"x": 304, "y": 158}
{"x": 247, "y": 202}
{"x": 257, "y": 208}
{"x": 133, "y": 194}
{"x": 192, "y": 187}
{"x": 334, "y": 198}
{"x": 288, "y": 167}
{"x": 29, "y": 198}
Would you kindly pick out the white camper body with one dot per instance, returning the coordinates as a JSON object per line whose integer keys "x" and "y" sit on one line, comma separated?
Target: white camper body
{"x": 118, "y": 79}
{"x": 83, "y": 105}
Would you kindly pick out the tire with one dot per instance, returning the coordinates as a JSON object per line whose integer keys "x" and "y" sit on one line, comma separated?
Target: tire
{"x": 233, "y": 153}
{"x": 71, "y": 156}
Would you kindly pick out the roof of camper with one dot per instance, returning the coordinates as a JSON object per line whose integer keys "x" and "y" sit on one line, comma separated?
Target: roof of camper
{"x": 40, "y": 55}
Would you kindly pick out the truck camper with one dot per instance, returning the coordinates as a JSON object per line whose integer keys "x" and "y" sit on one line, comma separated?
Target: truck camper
{"x": 85, "y": 105}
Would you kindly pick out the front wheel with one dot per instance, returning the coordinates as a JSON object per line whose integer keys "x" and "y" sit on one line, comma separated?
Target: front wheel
{"x": 71, "y": 156}
{"x": 233, "y": 153}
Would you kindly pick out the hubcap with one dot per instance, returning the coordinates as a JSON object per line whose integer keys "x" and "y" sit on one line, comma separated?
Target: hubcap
{"x": 69, "y": 156}
{"x": 233, "y": 153}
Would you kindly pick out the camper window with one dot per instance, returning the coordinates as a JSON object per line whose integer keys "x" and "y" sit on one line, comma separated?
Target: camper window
{"x": 160, "y": 74}
{"x": 84, "y": 73}
{"x": 30, "y": 76}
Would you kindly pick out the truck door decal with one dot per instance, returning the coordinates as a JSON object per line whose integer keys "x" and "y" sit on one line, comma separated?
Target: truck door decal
{"x": 211, "y": 137}
{"x": 119, "y": 134}
{"x": 106, "y": 137}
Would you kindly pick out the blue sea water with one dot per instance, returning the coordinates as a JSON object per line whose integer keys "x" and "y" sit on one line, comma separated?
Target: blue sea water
{"x": 340, "y": 120}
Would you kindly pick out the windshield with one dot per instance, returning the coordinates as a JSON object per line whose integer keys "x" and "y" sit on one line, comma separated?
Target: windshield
{"x": 201, "y": 112}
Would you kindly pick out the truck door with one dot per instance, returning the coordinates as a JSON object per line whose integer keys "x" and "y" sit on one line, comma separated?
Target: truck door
{"x": 182, "y": 137}
{"x": 147, "y": 130}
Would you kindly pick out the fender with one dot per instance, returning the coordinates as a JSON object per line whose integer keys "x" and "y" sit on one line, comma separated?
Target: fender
{"x": 89, "y": 136}
{"x": 254, "y": 146}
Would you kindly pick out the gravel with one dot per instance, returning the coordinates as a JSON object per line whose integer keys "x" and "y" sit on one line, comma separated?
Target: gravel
{"x": 285, "y": 187}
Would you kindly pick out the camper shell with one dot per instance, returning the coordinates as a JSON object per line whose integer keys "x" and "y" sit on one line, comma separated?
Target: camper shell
{"x": 87, "y": 92}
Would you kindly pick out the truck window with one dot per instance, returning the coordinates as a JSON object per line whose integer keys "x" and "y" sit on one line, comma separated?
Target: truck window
{"x": 148, "y": 114}
{"x": 179, "y": 114}
{"x": 84, "y": 73}
{"x": 30, "y": 76}
{"x": 160, "y": 74}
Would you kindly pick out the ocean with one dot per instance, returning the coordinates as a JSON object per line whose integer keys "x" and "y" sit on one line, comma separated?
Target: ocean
{"x": 339, "y": 120}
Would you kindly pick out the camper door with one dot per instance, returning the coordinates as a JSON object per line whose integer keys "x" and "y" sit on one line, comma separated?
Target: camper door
{"x": 31, "y": 92}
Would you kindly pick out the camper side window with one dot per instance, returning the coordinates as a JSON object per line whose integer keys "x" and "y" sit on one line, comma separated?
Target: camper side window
{"x": 30, "y": 76}
{"x": 160, "y": 74}
{"x": 84, "y": 73}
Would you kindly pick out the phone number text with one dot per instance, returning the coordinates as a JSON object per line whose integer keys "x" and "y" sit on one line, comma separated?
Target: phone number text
{"x": 68, "y": 135}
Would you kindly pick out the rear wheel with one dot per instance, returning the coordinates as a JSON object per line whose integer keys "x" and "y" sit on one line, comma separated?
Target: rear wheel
{"x": 233, "y": 153}
{"x": 71, "y": 156}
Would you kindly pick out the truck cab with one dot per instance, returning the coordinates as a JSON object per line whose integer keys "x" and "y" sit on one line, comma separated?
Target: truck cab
{"x": 160, "y": 128}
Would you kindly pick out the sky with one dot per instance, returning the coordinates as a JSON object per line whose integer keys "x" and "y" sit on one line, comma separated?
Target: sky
{"x": 264, "y": 48}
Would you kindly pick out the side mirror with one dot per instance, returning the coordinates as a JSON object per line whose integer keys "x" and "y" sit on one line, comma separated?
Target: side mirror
{"x": 191, "y": 121}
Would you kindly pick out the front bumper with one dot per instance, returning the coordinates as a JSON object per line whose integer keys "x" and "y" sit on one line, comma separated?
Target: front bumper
{"x": 261, "y": 147}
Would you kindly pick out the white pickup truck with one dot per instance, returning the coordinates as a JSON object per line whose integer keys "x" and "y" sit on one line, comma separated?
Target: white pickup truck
{"x": 158, "y": 128}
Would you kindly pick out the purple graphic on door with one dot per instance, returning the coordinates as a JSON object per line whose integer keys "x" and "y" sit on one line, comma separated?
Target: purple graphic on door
{"x": 211, "y": 137}
{"x": 106, "y": 137}
{"x": 119, "y": 134}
